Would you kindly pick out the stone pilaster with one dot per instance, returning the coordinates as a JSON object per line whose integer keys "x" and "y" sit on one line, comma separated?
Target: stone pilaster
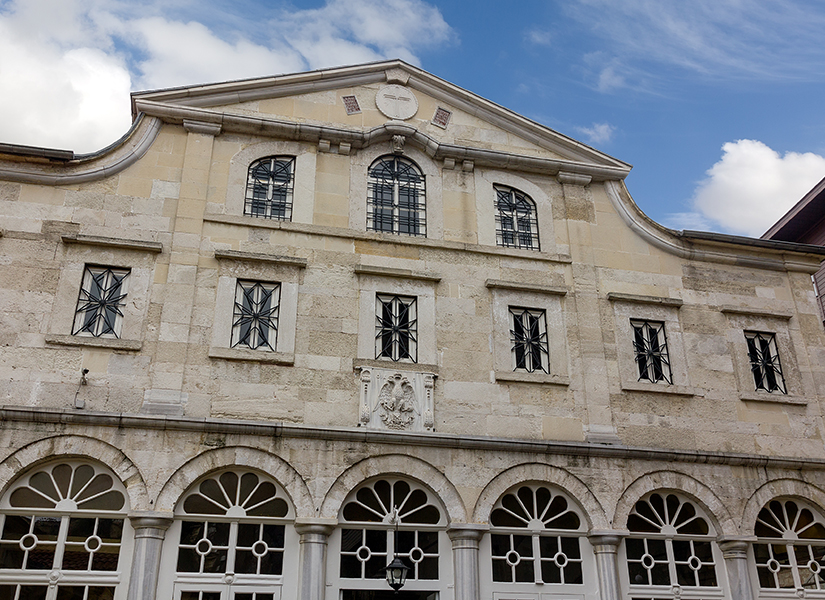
{"x": 465, "y": 539}
{"x": 150, "y": 529}
{"x": 312, "y": 557}
{"x": 735, "y": 553}
{"x": 605, "y": 547}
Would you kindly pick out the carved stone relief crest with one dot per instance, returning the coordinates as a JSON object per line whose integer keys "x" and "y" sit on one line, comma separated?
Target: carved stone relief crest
{"x": 396, "y": 400}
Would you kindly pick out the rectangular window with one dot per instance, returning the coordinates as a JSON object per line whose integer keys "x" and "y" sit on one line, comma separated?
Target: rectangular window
{"x": 99, "y": 311}
{"x": 650, "y": 347}
{"x": 528, "y": 339}
{"x": 764, "y": 359}
{"x": 396, "y": 328}
{"x": 255, "y": 318}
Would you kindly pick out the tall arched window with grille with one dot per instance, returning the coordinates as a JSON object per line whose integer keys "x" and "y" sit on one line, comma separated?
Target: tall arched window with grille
{"x": 269, "y": 186}
{"x": 537, "y": 544}
{"x": 396, "y": 197}
{"x": 517, "y": 224}
{"x": 368, "y": 540}
{"x": 232, "y": 539}
{"x": 671, "y": 551}
{"x": 62, "y": 531}
{"x": 789, "y": 553}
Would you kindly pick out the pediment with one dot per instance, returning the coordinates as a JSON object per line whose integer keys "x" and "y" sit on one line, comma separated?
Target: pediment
{"x": 366, "y": 104}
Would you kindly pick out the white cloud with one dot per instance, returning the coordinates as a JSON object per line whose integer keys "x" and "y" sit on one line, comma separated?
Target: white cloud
{"x": 752, "y": 186}
{"x": 598, "y": 133}
{"x": 540, "y": 37}
{"x": 68, "y": 65}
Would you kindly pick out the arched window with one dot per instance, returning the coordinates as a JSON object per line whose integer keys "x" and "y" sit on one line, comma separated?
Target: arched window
{"x": 233, "y": 539}
{"x": 790, "y": 551}
{"x": 671, "y": 550}
{"x": 517, "y": 223}
{"x": 269, "y": 187}
{"x": 535, "y": 539}
{"x": 368, "y": 538}
{"x": 396, "y": 198}
{"x": 64, "y": 524}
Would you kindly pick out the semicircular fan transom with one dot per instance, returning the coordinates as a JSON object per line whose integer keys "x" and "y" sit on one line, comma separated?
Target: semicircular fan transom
{"x": 379, "y": 501}
{"x": 529, "y": 505}
{"x": 667, "y": 514}
{"x": 788, "y": 519}
{"x": 68, "y": 485}
{"x": 237, "y": 494}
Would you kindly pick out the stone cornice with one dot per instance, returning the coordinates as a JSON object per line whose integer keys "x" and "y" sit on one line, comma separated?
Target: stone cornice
{"x": 729, "y": 250}
{"x": 396, "y": 273}
{"x": 85, "y": 419}
{"x": 109, "y": 242}
{"x": 275, "y": 259}
{"x": 308, "y": 132}
{"x": 517, "y": 286}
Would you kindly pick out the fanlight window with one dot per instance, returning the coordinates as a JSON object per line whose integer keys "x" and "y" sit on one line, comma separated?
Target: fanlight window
{"x": 790, "y": 552}
{"x": 65, "y": 519}
{"x": 670, "y": 545}
{"x": 535, "y": 537}
{"x": 376, "y": 506}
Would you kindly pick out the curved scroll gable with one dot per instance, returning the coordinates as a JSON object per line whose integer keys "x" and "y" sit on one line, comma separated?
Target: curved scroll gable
{"x": 539, "y": 473}
{"x": 401, "y": 466}
{"x": 679, "y": 482}
{"x": 779, "y": 488}
{"x": 686, "y": 246}
{"x": 237, "y": 456}
{"x": 88, "y": 167}
{"x": 79, "y": 447}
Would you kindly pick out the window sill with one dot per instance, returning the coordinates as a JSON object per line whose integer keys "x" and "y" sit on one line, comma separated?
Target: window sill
{"x": 271, "y": 358}
{"x": 94, "y": 342}
{"x": 662, "y": 388}
{"x": 769, "y": 397}
{"x": 359, "y": 363}
{"x": 541, "y": 378}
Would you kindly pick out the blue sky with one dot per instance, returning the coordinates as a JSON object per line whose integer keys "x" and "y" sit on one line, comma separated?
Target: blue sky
{"x": 716, "y": 103}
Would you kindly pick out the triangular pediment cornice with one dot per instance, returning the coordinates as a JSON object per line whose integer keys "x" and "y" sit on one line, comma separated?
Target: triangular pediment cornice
{"x": 396, "y": 71}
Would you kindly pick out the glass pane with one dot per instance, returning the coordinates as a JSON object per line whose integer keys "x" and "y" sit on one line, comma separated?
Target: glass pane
{"x": 80, "y": 529}
{"x": 502, "y": 571}
{"x": 41, "y": 558}
{"x": 550, "y": 573}
{"x": 272, "y": 563}
{"x": 428, "y": 568}
{"x": 188, "y": 561}
{"x": 573, "y": 573}
{"x": 246, "y": 562}
{"x": 75, "y": 558}
{"x": 46, "y": 528}
{"x": 11, "y": 556}
{"x": 33, "y": 592}
{"x": 191, "y": 532}
{"x": 105, "y": 559}
{"x": 215, "y": 562}
{"x": 16, "y": 527}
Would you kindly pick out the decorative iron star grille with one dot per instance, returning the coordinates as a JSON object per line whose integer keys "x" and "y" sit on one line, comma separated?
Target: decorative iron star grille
{"x": 99, "y": 311}
{"x": 516, "y": 220}
{"x": 269, "y": 188}
{"x": 650, "y": 345}
{"x": 396, "y": 198}
{"x": 396, "y": 328}
{"x": 528, "y": 337}
{"x": 255, "y": 319}
{"x": 765, "y": 365}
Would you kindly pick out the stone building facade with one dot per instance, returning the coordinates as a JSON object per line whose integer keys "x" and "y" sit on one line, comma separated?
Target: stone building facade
{"x": 288, "y": 329}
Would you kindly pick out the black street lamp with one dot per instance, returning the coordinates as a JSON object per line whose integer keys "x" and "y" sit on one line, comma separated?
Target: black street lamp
{"x": 396, "y": 571}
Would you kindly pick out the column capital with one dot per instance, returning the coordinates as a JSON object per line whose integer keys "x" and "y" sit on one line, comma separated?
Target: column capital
{"x": 151, "y": 519}
{"x": 606, "y": 540}
{"x": 310, "y": 525}
{"x": 466, "y": 531}
{"x": 734, "y": 547}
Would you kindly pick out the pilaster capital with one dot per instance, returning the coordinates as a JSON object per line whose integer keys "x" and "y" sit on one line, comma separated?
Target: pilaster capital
{"x": 734, "y": 547}
{"x": 311, "y": 527}
{"x": 573, "y": 178}
{"x": 202, "y": 127}
{"x": 466, "y": 531}
{"x": 606, "y": 540}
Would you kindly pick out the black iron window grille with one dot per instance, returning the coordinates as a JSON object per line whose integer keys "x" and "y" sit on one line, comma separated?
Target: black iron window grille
{"x": 516, "y": 219}
{"x": 255, "y": 319}
{"x": 99, "y": 311}
{"x": 765, "y": 365}
{"x": 396, "y": 328}
{"x": 528, "y": 336}
{"x": 396, "y": 198}
{"x": 269, "y": 188}
{"x": 650, "y": 346}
